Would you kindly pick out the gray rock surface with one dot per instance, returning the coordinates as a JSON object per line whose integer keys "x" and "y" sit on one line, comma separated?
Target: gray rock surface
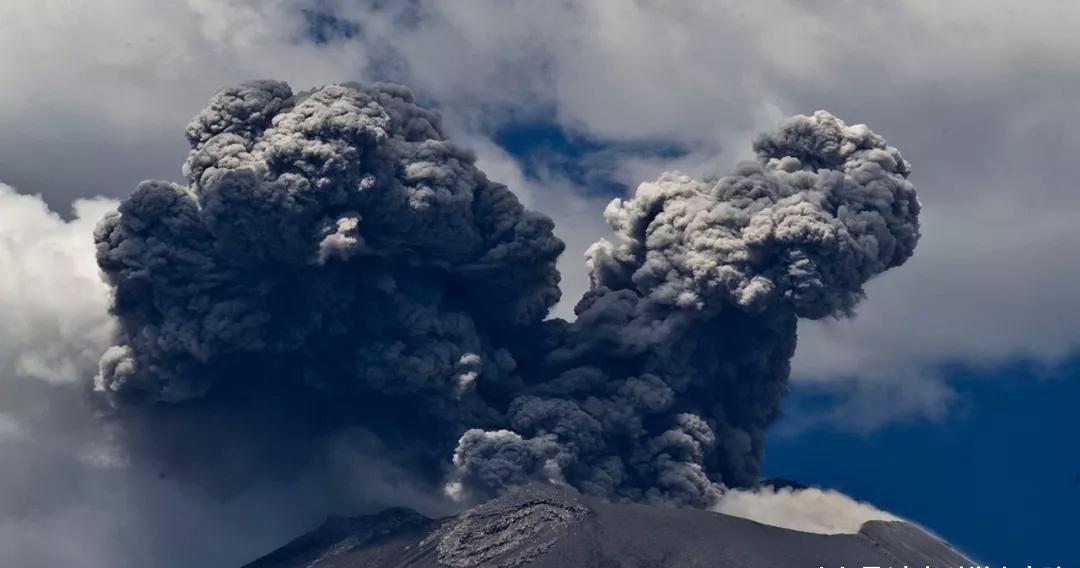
{"x": 543, "y": 526}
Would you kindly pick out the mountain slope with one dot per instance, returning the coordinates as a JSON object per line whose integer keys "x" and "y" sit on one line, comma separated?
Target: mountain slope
{"x": 544, "y": 526}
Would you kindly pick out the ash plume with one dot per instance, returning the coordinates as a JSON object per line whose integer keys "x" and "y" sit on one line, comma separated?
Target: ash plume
{"x": 334, "y": 262}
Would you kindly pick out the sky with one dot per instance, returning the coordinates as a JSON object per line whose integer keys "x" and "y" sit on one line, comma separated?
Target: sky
{"x": 950, "y": 399}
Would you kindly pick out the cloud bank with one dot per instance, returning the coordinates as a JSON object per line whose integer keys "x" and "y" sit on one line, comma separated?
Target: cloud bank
{"x": 52, "y": 297}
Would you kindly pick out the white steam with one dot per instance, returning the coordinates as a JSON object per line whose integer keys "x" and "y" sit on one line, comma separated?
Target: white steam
{"x": 809, "y": 510}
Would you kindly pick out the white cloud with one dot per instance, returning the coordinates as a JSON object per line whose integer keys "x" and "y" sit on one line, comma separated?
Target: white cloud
{"x": 54, "y": 303}
{"x": 99, "y": 92}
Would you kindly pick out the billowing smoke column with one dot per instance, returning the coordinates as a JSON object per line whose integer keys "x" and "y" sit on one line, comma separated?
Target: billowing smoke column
{"x": 337, "y": 260}
{"x": 680, "y": 352}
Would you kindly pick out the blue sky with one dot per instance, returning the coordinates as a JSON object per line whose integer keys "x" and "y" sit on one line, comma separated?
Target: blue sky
{"x": 997, "y": 475}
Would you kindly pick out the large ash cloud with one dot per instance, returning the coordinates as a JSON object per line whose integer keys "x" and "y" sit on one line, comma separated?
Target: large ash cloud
{"x": 335, "y": 262}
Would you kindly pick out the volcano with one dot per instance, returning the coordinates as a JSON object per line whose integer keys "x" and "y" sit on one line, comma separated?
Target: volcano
{"x": 543, "y": 526}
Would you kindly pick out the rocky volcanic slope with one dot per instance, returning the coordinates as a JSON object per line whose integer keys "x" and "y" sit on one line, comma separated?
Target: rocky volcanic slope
{"x": 543, "y": 526}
